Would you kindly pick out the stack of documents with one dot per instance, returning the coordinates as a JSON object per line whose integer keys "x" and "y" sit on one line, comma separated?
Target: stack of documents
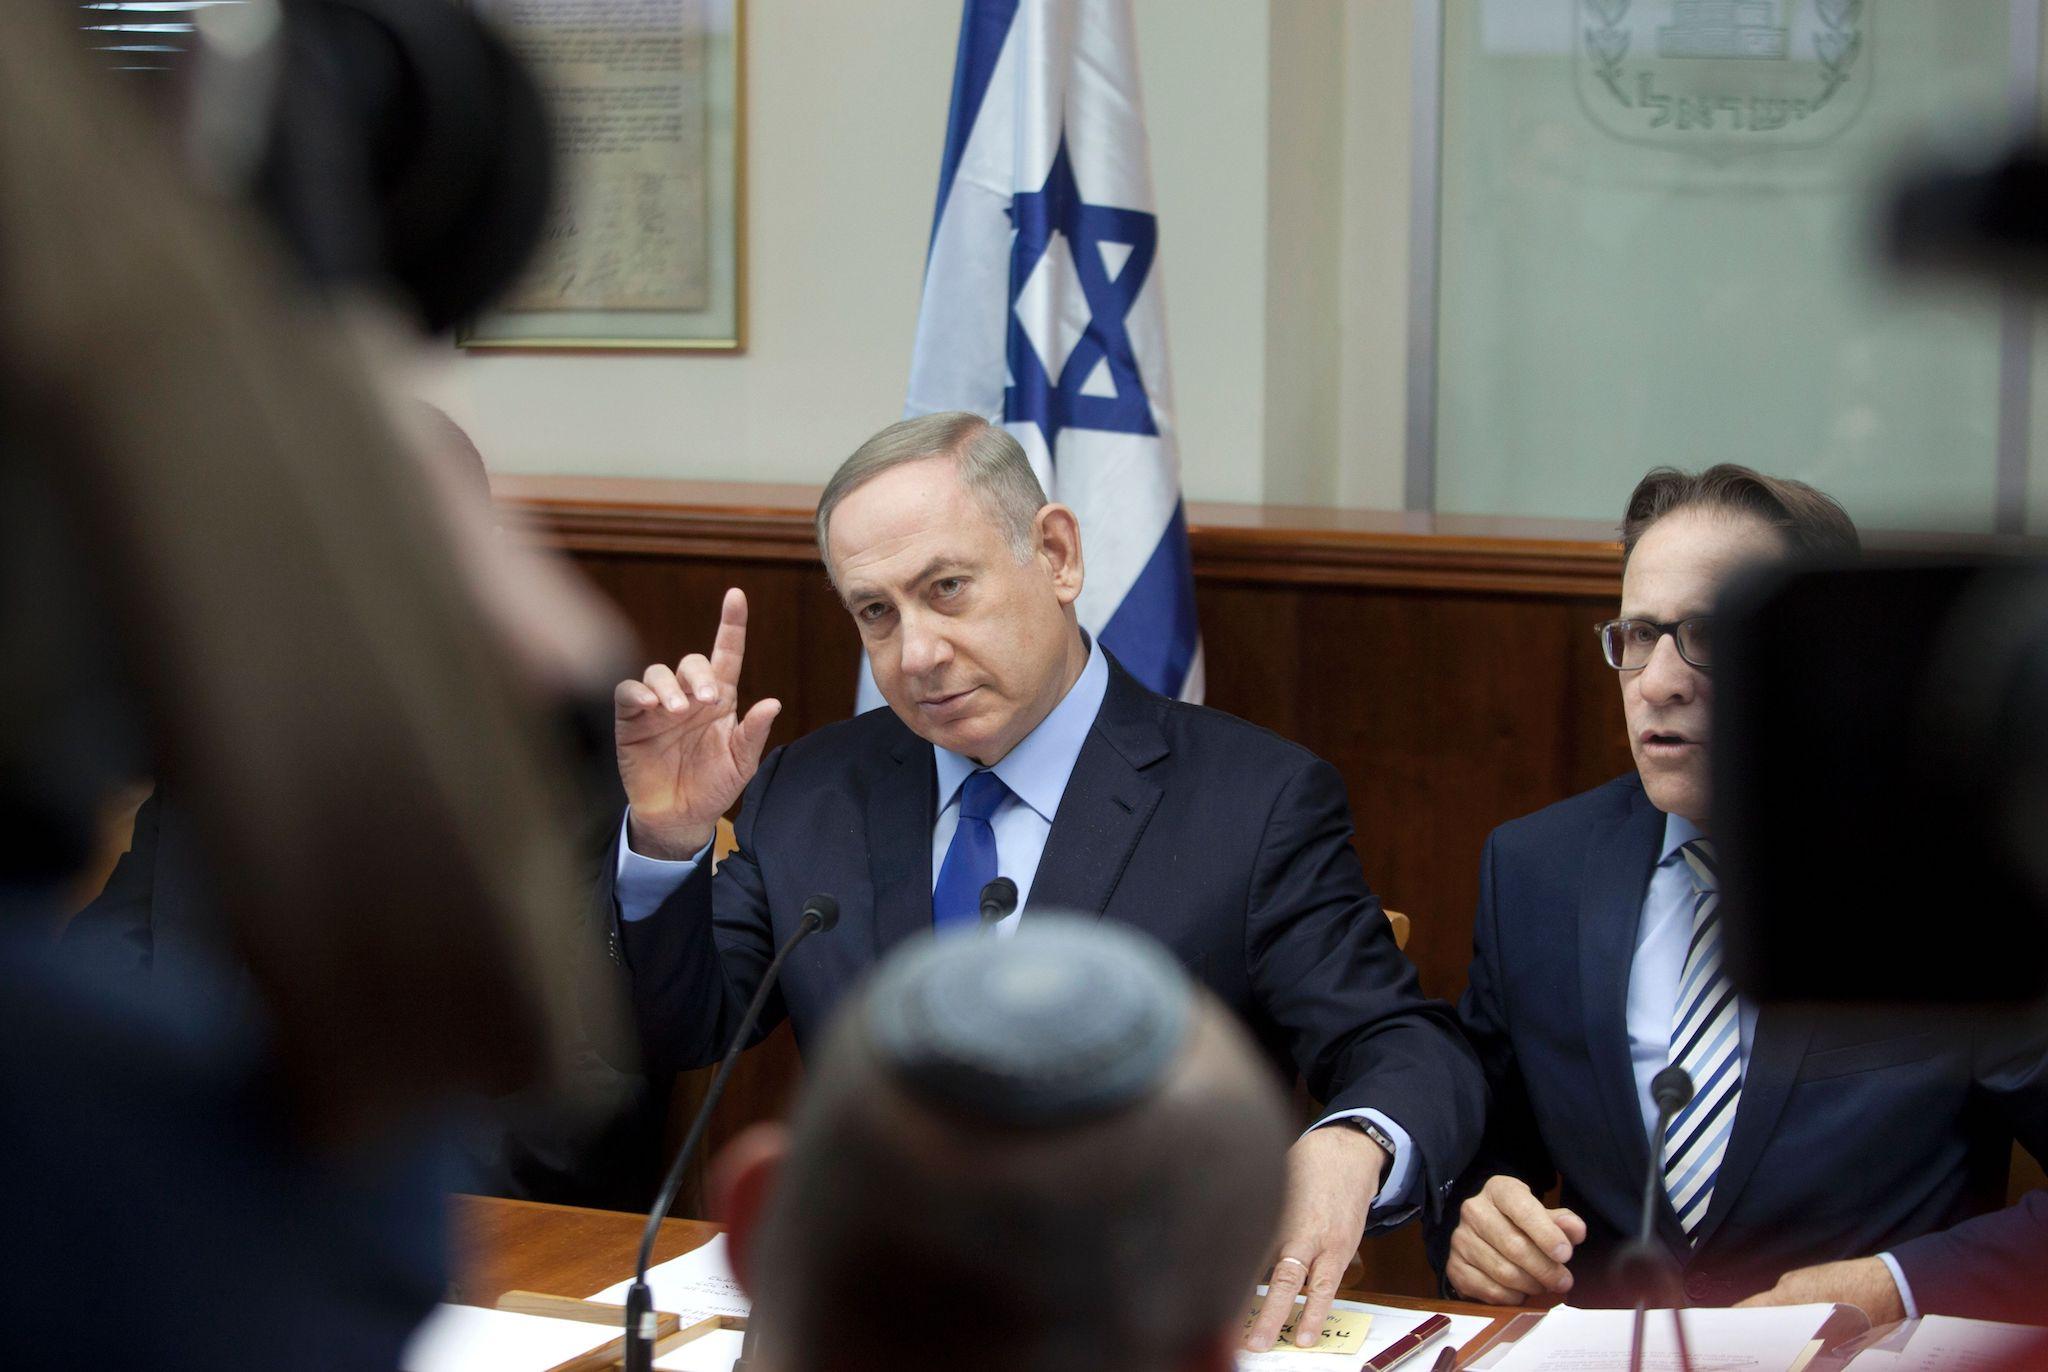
{"x": 1793, "y": 1338}
{"x": 1942, "y": 1343}
{"x": 1781, "y": 1339}
{"x": 694, "y": 1287}
{"x": 699, "y": 1284}
{"x": 468, "y": 1338}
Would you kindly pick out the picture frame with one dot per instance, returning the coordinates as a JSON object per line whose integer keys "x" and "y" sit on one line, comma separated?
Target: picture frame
{"x": 646, "y": 247}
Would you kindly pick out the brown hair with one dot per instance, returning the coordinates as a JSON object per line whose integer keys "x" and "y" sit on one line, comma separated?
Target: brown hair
{"x": 1812, "y": 521}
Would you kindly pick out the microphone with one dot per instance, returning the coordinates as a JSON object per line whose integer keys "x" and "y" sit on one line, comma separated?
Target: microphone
{"x": 819, "y": 913}
{"x": 998, "y": 902}
{"x": 1644, "y": 1264}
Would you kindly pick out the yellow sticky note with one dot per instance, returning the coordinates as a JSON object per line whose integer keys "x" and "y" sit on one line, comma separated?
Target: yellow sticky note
{"x": 1343, "y": 1331}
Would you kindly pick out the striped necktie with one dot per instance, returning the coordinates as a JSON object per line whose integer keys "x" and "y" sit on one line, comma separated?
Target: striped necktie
{"x": 1706, "y": 1040}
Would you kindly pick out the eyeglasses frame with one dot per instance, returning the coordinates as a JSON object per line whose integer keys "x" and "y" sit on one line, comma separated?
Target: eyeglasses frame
{"x": 1671, "y": 628}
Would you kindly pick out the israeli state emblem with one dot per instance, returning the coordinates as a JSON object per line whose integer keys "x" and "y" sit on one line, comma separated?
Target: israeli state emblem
{"x": 1723, "y": 76}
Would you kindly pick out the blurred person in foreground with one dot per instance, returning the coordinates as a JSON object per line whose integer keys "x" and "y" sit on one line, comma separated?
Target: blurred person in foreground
{"x": 589, "y": 1139}
{"x": 1014, "y": 746}
{"x": 1051, "y": 1152}
{"x": 1852, "y": 1155}
{"x": 215, "y": 554}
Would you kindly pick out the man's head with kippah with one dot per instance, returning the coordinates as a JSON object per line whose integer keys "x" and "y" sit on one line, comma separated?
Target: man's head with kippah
{"x": 1046, "y": 1153}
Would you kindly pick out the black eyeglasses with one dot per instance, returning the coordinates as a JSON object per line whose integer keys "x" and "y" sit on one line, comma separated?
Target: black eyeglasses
{"x": 1628, "y": 643}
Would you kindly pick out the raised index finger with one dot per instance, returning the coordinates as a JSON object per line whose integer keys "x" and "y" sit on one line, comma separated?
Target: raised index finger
{"x": 730, "y": 647}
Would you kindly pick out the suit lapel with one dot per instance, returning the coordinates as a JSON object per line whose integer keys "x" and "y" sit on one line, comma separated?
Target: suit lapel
{"x": 1781, "y": 1038}
{"x": 1618, "y": 867}
{"x": 901, "y": 813}
{"x": 1107, "y": 803}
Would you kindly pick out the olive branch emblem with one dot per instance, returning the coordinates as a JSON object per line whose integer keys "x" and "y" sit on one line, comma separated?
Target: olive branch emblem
{"x": 1609, "y": 39}
{"x": 1838, "y": 45}
{"x": 1608, "y": 44}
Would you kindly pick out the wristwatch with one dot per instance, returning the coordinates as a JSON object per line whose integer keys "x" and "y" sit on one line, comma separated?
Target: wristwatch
{"x": 1380, "y": 1137}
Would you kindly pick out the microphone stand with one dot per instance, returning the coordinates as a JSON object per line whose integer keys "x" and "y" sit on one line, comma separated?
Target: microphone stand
{"x": 998, "y": 902}
{"x": 1644, "y": 1264}
{"x": 819, "y": 914}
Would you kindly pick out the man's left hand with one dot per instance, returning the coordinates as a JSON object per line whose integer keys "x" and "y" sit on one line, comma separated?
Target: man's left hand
{"x": 1865, "y": 1283}
{"x": 1333, "y": 1173}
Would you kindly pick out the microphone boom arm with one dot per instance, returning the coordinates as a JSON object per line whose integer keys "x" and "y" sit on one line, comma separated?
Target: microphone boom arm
{"x": 820, "y": 913}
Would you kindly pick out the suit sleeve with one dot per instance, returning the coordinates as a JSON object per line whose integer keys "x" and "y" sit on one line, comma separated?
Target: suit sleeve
{"x": 1990, "y": 1267}
{"x": 693, "y": 965}
{"x": 114, "y": 931}
{"x": 1511, "y": 1144}
{"x": 1326, "y": 970}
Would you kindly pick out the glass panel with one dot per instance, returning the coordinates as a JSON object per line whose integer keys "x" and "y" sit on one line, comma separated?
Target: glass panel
{"x": 1657, "y": 248}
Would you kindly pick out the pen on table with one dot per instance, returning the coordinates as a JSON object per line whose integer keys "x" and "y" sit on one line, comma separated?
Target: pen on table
{"x": 1411, "y": 1343}
{"x": 1445, "y": 1360}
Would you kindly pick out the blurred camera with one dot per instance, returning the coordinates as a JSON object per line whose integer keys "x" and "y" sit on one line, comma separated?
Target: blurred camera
{"x": 1881, "y": 781}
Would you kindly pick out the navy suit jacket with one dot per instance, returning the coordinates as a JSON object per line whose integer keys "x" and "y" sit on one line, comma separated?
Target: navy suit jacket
{"x": 1225, "y": 842}
{"x": 1858, "y": 1131}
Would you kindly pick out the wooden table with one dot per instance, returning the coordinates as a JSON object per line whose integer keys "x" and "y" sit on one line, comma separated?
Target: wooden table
{"x": 508, "y": 1245}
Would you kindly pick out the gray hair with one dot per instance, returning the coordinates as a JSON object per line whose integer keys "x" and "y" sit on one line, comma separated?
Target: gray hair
{"x": 991, "y": 463}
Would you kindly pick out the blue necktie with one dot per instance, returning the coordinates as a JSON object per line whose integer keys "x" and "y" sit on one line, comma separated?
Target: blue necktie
{"x": 971, "y": 857}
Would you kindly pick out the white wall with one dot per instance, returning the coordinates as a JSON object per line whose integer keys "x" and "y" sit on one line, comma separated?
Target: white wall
{"x": 845, "y": 115}
{"x": 1372, "y": 259}
{"x": 1272, "y": 123}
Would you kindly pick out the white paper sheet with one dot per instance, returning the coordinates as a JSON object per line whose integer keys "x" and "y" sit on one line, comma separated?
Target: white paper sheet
{"x": 698, "y": 1284}
{"x": 1943, "y": 1343}
{"x": 712, "y": 1353}
{"x": 469, "y": 1338}
{"x": 1573, "y": 1340}
{"x": 1388, "y": 1324}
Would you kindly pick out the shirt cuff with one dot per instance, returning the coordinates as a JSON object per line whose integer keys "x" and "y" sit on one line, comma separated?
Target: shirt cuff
{"x": 1899, "y": 1280}
{"x": 1393, "y": 1204}
{"x": 640, "y": 884}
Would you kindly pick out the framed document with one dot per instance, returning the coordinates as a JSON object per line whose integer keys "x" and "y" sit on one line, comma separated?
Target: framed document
{"x": 645, "y": 247}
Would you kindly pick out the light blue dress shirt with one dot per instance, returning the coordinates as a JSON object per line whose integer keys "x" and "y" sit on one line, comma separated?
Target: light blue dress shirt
{"x": 1662, "y": 939}
{"x": 1036, "y": 772}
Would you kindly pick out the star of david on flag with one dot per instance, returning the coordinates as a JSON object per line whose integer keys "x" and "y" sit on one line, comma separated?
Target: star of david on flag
{"x": 1042, "y": 306}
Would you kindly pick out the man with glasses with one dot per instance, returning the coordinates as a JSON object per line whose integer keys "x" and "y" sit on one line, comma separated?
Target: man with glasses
{"x": 1847, "y": 1156}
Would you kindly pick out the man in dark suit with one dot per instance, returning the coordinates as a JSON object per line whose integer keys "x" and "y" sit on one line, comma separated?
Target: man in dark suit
{"x": 1825, "y": 1155}
{"x": 1015, "y": 746}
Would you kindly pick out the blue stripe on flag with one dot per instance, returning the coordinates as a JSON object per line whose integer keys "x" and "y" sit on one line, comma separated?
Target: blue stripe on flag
{"x": 984, "y": 24}
{"x": 1154, "y": 631}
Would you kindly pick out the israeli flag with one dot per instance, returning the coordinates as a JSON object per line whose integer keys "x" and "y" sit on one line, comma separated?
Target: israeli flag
{"x": 1042, "y": 306}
